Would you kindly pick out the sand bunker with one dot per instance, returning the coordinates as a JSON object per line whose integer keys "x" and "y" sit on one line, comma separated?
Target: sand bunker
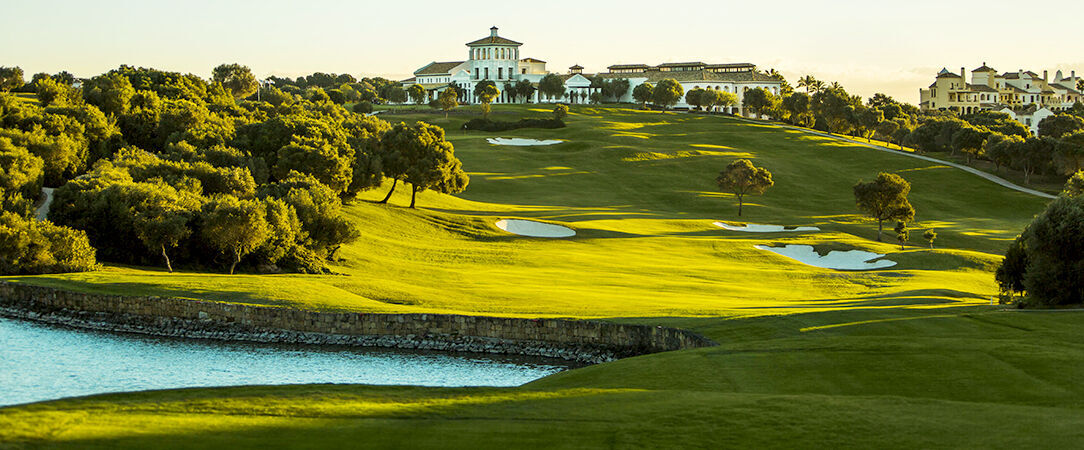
{"x": 520, "y": 142}
{"x": 534, "y": 229}
{"x": 848, "y": 260}
{"x": 757, "y": 228}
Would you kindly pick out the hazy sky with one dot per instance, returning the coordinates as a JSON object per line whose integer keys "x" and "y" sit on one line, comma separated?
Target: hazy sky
{"x": 866, "y": 45}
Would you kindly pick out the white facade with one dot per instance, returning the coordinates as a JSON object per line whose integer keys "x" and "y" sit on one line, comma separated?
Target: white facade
{"x": 498, "y": 59}
{"x": 1030, "y": 118}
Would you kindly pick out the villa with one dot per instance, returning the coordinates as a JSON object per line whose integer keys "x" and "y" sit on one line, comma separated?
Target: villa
{"x": 498, "y": 59}
{"x": 1023, "y": 95}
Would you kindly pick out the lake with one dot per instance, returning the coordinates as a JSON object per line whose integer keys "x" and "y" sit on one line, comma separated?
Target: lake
{"x": 43, "y": 362}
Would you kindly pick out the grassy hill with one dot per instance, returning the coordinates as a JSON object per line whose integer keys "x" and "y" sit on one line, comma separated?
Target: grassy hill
{"x": 901, "y": 357}
{"x": 638, "y": 187}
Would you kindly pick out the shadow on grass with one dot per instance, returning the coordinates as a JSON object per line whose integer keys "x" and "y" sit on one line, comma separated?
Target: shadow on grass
{"x": 146, "y": 289}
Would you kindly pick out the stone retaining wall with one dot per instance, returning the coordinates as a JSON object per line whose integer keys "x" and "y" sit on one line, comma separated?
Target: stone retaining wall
{"x": 584, "y": 341}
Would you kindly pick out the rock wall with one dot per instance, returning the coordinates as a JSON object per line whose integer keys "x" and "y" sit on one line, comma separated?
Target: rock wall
{"x": 584, "y": 341}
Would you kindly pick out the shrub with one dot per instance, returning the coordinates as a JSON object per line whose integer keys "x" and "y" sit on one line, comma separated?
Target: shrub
{"x": 560, "y": 112}
{"x": 494, "y": 125}
{"x": 29, "y": 246}
{"x": 363, "y": 108}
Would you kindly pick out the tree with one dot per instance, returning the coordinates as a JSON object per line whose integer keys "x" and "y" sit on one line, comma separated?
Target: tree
{"x": 810, "y": 84}
{"x": 867, "y": 119}
{"x": 695, "y": 97}
{"x": 970, "y": 141}
{"x": 643, "y": 93}
{"x": 560, "y": 112}
{"x": 111, "y": 93}
{"x": 447, "y": 100}
{"x": 417, "y": 94}
{"x": 1032, "y": 156}
{"x": 396, "y": 94}
{"x": 902, "y": 233}
{"x": 1074, "y": 186}
{"x": 616, "y": 89}
{"x": 1010, "y": 274}
{"x": 551, "y": 86}
{"x": 29, "y": 246}
{"x": 725, "y": 99}
{"x": 784, "y": 87}
{"x": 486, "y": 92}
{"x": 363, "y": 107}
{"x": 1001, "y": 149}
{"x": 162, "y": 221}
{"x": 524, "y": 89}
{"x": 235, "y": 227}
{"x": 11, "y": 78}
{"x": 741, "y": 177}
{"x": 1070, "y": 148}
{"x": 237, "y": 79}
{"x": 667, "y": 93}
{"x": 884, "y": 198}
{"x": 929, "y": 236}
{"x": 1048, "y": 257}
{"x": 52, "y": 93}
{"x": 836, "y": 107}
{"x": 336, "y": 96}
{"x": 796, "y": 107}
{"x": 1060, "y": 125}
{"x": 758, "y": 100}
{"x": 433, "y": 165}
{"x": 21, "y": 177}
{"x": 887, "y": 130}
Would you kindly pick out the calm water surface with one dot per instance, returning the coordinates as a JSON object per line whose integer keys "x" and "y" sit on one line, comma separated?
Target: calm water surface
{"x": 42, "y": 362}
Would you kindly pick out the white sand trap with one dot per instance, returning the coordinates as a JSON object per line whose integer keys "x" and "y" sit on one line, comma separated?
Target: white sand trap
{"x": 534, "y": 229}
{"x": 43, "y": 211}
{"x": 521, "y": 142}
{"x": 848, "y": 260}
{"x": 757, "y": 228}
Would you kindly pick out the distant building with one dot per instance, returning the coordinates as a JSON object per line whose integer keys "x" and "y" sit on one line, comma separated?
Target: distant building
{"x": 498, "y": 59}
{"x": 1024, "y": 95}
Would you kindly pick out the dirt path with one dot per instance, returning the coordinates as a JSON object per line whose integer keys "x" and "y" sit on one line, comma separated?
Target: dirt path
{"x": 43, "y": 211}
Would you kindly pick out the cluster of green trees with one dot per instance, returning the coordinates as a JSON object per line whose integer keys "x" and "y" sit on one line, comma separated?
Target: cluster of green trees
{"x": 1047, "y": 260}
{"x": 343, "y": 88}
{"x": 985, "y": 135}
{"x": 159, "y": 167}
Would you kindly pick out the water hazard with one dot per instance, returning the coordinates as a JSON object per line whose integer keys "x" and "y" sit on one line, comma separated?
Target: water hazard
{"x": 41, "y": 362}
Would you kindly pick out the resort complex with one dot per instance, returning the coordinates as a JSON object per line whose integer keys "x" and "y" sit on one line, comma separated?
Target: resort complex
{"x": 1024, "y": 95}
{"x": 497, "y": 59}
{"x": 629, "y": 253}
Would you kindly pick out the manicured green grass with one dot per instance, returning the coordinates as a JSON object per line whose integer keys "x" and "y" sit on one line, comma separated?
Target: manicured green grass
{"x": 809, "y": 357}
{"x": 638, "y": 187}
{"x": 868, "y": 378}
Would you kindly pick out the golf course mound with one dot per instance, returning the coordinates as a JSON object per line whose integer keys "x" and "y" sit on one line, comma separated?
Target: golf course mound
{"x": 835, "y": 259}
{"x": 518, "y": 142}
{"x": 758, "y": 228}
{"x": 531, "y": 228}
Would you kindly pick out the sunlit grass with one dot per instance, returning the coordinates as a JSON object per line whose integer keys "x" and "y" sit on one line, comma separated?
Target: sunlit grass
{"x": 645, "y": 246}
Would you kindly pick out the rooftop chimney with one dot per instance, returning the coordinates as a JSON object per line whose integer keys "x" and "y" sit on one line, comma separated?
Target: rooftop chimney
{"x": 493, "y": 32}
{"x": 1046, "y": 75}
{"x": 962, "y": 72}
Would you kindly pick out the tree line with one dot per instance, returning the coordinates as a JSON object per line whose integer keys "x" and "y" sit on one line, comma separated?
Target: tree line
{"x": 156, "y": 167}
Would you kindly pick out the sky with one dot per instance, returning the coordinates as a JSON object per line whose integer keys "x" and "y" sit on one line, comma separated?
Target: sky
{"x": 868, "y": 46}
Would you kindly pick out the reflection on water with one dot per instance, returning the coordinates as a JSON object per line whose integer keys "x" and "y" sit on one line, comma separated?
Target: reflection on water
{"x": 42, "y": 362}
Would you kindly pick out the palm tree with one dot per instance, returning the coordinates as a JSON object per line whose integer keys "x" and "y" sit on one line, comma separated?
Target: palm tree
{"x": 808, "y": 82}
